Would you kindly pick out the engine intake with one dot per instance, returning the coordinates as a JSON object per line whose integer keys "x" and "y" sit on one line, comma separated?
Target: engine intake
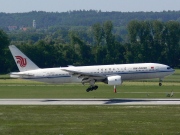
{"x": 114, "y": 80}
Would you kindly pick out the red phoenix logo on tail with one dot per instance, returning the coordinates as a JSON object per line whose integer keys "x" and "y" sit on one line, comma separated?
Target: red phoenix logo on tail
{"x": 21, "y": 61}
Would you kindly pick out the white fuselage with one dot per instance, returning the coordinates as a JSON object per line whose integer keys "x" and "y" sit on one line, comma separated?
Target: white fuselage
{"x": 126, "y": 71}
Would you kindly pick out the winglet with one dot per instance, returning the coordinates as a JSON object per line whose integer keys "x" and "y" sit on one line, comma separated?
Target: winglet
{"x": 22, "y": 61}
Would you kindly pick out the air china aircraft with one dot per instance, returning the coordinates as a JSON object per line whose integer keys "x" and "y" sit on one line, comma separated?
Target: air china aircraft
{"x": 109, "y": 74}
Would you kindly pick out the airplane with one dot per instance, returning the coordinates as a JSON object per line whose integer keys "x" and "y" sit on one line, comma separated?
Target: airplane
{"x": 109, "y": 74}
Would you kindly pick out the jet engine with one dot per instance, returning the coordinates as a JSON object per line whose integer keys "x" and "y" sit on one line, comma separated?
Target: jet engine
{"x": 114, "y": 80}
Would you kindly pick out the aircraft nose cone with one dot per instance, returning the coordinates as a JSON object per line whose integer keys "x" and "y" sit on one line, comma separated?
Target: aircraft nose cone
{"x": 172, "y": 70}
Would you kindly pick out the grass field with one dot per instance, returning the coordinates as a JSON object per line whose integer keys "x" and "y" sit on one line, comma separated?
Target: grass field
{"x": 128, "y": 90}
{"x": 91, "y": 120}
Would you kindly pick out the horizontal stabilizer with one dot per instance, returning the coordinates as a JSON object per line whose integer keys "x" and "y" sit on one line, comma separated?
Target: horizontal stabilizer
{"x": 20, "y": 75}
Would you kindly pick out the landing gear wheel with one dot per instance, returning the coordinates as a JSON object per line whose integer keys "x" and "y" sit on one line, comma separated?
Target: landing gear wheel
{"x": 91, "y": 88}
{"x": 87, "y": 90}
{"x": 95, "y": 87}
{"x": 160, "y": 84}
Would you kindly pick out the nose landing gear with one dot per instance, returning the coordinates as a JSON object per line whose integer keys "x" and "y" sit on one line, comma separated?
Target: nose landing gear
{"x": 160, "y": 84}
{"x": 160, "y": 81}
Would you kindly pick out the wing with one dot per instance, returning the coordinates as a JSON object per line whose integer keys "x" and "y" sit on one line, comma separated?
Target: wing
{"x": 86, "y": 76}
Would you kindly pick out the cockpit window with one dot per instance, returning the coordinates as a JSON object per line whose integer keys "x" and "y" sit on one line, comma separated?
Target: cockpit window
{"x": 168, "y": 67}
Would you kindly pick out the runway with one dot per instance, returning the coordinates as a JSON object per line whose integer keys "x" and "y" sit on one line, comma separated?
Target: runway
{"x": 90, "y": 101}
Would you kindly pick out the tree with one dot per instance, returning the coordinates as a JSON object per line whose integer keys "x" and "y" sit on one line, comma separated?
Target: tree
{"x": 172, "y": 42}
{"x": 109, "y": 37}
{"x": 98, "y": 33}
{"x": 110, "y": 41}
{"x": 4, "y": 43}
{"x": 133, "y": 30}
{"x": 83, "y": 50}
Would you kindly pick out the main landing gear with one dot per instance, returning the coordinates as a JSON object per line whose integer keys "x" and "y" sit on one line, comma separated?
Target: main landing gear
{"x": 91, "y": 88}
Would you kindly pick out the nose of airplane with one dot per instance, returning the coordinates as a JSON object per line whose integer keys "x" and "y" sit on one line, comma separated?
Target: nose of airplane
{"x": 172, "y": 70}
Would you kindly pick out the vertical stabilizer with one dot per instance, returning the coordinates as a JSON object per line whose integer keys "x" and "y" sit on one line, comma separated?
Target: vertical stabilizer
{"x": 22, "y": 61}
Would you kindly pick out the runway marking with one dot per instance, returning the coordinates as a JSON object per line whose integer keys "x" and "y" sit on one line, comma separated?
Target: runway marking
{"x": 115, "y": 101}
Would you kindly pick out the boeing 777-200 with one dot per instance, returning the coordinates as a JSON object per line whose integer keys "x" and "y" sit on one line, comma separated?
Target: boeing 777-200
{"x": 110, "y": 74}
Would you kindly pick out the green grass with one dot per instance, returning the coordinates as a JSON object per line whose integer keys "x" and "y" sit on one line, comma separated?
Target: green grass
{"x": 6, "y": 76}
{"x": 78, "y": 91}
{"x": 90, "y": 120}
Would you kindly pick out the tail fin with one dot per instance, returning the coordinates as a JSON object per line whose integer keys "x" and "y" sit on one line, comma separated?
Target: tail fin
{"x": 22, "y": 61}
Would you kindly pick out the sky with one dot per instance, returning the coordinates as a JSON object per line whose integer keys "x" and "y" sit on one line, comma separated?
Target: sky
{"x": 20, "y": 6}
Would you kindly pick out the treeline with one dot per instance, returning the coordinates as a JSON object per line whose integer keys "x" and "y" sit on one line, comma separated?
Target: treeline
{"x": 80, "y": 21}
{"x": 149, "y": 41}
{"x": 81, "y": 18}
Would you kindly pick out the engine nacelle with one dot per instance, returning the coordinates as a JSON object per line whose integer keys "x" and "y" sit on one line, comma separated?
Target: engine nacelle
{"x": 114, "y": 80}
